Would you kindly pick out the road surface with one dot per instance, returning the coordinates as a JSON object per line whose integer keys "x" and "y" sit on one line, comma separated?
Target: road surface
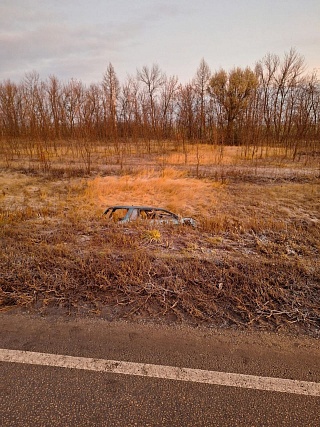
{"x": 60, "y": 371}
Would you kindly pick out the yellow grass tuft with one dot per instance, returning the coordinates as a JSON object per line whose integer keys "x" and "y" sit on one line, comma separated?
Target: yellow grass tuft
{"x": 152, "y": 235}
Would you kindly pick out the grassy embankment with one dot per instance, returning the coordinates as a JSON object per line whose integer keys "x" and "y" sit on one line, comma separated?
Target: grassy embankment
{"x": 253, "y": 261}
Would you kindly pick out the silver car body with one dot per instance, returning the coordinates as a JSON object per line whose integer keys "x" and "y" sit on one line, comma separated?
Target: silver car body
{"x": 125, "y": 213}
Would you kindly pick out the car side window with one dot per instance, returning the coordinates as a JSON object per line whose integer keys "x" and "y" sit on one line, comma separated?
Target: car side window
{"x": 119, "y": 214}
{"x": 164, "y": 215}
{"x": 143, "y": 214}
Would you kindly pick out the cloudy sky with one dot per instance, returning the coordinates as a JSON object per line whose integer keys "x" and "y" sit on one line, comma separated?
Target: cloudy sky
{"x": 78, "y": 38}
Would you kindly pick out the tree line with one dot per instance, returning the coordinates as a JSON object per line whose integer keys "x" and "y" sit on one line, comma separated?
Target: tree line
{"x": 274, "y": 103}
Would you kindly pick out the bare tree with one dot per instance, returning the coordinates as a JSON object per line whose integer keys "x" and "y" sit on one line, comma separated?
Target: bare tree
{"x": 10, "y": 106}
{"x": 280, "y": 87}
{"x": 167, "y": 105}
{"x": 286, "y": 80}
{"x": 54, "y": 93}
{"x": 92, "y": 112}
{"x": 153, "y": 79}
{"x": 130, "y": 109}
{"x": 186, "y": 115}
{"x": 265, "y": 71}
{"x": 111, "y": 91}
{"x": 72, "y": 101}
{"x": 200, "y": 83}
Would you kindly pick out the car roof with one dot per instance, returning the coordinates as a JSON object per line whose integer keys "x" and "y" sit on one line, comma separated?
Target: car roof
{"x": 137, "y": 207}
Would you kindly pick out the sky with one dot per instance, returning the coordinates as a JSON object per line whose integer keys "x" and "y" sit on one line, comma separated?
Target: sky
{"x": 78, "y": 39}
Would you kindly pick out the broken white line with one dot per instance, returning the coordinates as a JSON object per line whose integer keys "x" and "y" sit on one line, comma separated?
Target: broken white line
{"x": 160, "y": 371}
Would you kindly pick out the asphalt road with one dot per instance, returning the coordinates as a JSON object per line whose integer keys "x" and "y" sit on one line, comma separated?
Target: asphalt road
{"x": 32, "y": 395}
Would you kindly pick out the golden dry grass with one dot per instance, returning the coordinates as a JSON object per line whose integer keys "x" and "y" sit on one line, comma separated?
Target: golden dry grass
{"x": 204, "y": 154}
{"x": 187, "y": 196}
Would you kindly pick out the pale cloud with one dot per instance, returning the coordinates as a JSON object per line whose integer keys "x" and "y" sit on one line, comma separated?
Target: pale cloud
{"x": 79, "y": 38}
{"x": 22, "y": 14}
{"x": 31, "y": 39}
{"x": 37, "y": 35}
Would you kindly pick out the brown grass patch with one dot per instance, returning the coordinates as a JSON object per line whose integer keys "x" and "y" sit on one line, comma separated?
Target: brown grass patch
{"x": 253, "y": 260}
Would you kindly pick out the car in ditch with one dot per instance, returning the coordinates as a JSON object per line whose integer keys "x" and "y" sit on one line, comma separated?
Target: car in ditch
{"x": 124, "y": 214}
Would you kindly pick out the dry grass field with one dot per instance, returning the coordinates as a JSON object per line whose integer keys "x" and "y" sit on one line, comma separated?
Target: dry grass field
{"x": 253, "y": 260}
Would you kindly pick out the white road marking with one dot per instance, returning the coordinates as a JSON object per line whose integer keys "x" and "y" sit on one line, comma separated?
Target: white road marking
{"x": 160, "y": 371}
